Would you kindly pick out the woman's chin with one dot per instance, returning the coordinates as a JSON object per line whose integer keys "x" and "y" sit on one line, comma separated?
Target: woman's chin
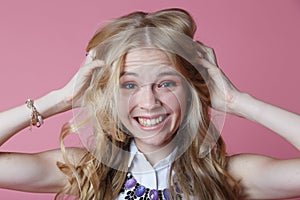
{"x": 154, "y": 143}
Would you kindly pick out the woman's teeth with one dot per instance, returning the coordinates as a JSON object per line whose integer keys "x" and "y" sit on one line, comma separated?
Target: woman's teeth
{"x": 150, "y": 122}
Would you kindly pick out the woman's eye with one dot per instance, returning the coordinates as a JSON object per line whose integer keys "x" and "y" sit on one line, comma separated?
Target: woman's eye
{"x": 129, "y": 86}
{"x": 167, "y": 84}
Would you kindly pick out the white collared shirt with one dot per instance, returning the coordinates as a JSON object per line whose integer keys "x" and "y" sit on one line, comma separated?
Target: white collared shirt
{"x": 152, "y": 177}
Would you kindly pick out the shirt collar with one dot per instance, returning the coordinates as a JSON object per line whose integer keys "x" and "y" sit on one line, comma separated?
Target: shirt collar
{"x": 139, "y": 163}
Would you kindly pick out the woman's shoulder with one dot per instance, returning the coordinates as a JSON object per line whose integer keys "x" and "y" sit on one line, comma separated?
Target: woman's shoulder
{"x": 73, "y": 154}
{"x": 251, "y": 171}
{"x": 247, "y": 163}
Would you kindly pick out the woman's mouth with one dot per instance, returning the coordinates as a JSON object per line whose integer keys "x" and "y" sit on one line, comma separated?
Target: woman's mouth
{"x": 149, "y": 122}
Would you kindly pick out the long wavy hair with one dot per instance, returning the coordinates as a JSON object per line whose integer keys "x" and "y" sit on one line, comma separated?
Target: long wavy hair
{"x": 101, "y": 172}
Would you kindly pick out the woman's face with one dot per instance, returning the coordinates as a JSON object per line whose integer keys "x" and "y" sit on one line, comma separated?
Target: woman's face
{"x": 152, "y": 97}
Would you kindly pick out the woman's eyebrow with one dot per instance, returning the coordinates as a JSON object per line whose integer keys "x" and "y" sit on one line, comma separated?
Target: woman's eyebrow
{"x": 126, "y": 73}
{"x": 159, "y": 75}
{"x": 169, "y": 73}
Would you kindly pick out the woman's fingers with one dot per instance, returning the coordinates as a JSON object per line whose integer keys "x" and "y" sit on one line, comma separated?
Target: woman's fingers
{"x": 207, "y": 53}
{"x": 75, "y": 88}
{"x": 90, "y": 56}
{"x": 93, "y": 65}
{"x": 222, "y": 91}
{"x": 86, "y": 71}
{"x": 212, "y": 69}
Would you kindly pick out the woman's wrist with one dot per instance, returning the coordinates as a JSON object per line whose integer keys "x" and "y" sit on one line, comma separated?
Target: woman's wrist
{"x": 246, "y": 106}
{"x": 52, "y": 103}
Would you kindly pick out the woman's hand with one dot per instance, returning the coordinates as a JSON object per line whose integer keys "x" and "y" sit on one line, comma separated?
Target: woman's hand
{"x": 72, "y": 91}
{"x": 223, "y": 93}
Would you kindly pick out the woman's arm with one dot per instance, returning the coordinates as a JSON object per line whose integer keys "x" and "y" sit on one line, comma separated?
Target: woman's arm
{"x": 18, "y": 118}
{"x": 264, "y": 177}
{"x": 282, "y": 122}
{"x": 35, "y": 172}
{"x": 38, "y": 172}
{"x": 261, "y": 177}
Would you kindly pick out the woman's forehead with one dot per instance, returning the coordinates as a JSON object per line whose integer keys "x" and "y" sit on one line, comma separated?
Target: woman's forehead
{"x": 146, "y": 57}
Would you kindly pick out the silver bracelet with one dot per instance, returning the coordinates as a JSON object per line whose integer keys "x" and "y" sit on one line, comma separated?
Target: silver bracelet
{"x": 36, "y": 117}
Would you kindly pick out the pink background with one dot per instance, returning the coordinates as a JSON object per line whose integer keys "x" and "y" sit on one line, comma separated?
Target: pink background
{"x": 257, "y": 43}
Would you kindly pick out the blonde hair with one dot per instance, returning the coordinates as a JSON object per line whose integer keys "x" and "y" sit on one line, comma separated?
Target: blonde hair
{"x": 103, "y": 176}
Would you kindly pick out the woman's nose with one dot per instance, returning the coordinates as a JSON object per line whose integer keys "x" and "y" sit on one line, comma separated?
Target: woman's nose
{"x": 148, "y": 98}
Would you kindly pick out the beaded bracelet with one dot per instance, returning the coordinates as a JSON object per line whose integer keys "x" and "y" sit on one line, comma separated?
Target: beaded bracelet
{"x": 36, "y": 117}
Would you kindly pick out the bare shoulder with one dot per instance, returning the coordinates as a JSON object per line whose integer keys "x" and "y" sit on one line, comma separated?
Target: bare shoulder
{"x": 243, "y": 160}
{"x": 36, "y": 172}
{"x": 260, "y": 176}
{"x": 243, "y": 165}
{"x": 248, "y": 169}
{"x": 74, "y": 154}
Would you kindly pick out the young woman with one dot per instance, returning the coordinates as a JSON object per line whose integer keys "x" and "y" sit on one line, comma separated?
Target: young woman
{"x": 146, "y": 91}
